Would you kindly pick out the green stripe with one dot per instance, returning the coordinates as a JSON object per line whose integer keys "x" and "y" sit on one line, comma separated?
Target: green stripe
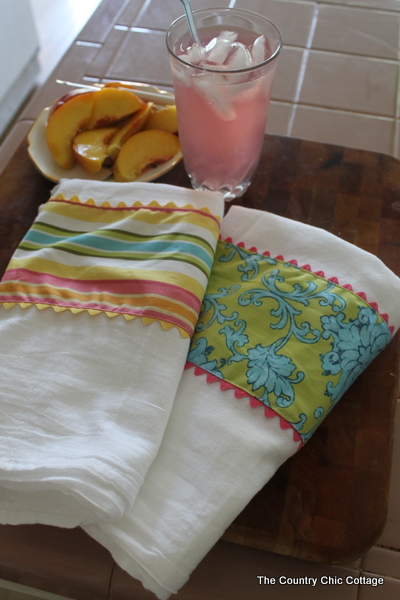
{"x": 28, "y": 247}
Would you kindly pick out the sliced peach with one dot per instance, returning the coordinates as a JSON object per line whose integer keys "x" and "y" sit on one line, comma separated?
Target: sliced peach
{"x": 90, "y": 147}
{"x": 69, "y": 115}
{"x": 111, "y": 105}
{"x": 133, "y": 125}
{"x": 67, "y": 96}
{"x": 142, "y": 151}
{"x": 163, "y": 118}
{"x": 120, "y": 84}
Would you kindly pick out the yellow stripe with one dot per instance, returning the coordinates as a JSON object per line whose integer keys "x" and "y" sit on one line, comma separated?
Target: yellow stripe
{"x": 145, "y": 320}
{"x": 99, "y": 215}
{"x": 198, "y": 219}
{"x": 42, "y": 265}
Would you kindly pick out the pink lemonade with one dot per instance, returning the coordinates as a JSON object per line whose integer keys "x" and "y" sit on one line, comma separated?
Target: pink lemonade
{"x": 222, "y": 106}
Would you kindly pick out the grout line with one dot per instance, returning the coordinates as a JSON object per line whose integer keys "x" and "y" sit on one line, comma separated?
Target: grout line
{"x": 306, "y": 54}
{"x": 303, "y": 67}
{"x": 369, "y": 57}
{"x": 374, "y": 9}
{"x": 136, "y": 29}
{"x": 142, "y": 10}
{"x": 347, "y": 111}
{"x": 88, "y": 44}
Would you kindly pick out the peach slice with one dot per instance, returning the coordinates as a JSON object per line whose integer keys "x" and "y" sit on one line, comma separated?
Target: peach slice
{"x": 163, "y": 118}
{"x": 68, "y": 115}
{"x": 68, "y": 96}
{"x": 133, "y": 125}
{"x": 120, "y": 84}
{"x": 142, "y": 151}
{"x": 111, "y": 105}
{"x": 90, "y": 147}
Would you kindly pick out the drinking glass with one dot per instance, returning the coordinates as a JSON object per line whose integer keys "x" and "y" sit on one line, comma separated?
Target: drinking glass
{"x": 222, "y": 111}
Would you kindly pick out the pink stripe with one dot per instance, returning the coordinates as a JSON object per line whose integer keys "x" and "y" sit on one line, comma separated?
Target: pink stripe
{"x": 115, "y": 286}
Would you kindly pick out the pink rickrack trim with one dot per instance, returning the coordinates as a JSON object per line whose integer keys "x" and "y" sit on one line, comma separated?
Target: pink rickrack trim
{"x": 307, "y": 267}
{"x": 254, "y": 402}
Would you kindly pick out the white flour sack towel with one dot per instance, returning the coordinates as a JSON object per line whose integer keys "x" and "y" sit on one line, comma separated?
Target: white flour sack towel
{"x": 291, "y": 316}
{"x": 97, "y": 307}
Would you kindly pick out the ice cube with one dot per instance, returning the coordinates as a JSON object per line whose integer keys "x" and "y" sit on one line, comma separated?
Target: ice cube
{"x": 259, "y": 50}
{"x": 196, "y": 53}
{"x": 185, "y": 57}
{"x": 221, "y": 48}
{"x": 219, "y": 96}
{"x": 211, "y": 44}
{"x": 239, "y": 58}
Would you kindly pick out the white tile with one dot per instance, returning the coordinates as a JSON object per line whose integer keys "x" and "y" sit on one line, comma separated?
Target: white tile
{"x": 357, "y": 31}
{"x": 351, "y": 83}
{"x": 294, "y": 19}
{"x": 159, "y": 14}
{"x": 287, "y": 74}
{"x": 382, "y": 561}
{"x": 278, "y": 118}
{"x": 390, "y": 590}
{"x": 343, "y": 128}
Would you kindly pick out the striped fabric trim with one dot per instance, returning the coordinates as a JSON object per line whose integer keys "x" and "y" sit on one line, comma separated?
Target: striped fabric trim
{"x": 147, "y": 261}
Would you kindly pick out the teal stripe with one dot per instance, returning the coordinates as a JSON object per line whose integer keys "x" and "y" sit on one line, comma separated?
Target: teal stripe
{"x": 62, "y": 233}
{"x": 108, "y": 244}
{"x": 174, "y": 256}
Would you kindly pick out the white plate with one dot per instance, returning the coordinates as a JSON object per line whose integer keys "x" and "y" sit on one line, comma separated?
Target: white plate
{"x": 45, "y": 163}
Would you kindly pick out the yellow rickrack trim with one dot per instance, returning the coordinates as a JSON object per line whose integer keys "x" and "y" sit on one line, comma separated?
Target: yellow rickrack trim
{"x": 146, "y": 320}
{"x": 121, "y": 204}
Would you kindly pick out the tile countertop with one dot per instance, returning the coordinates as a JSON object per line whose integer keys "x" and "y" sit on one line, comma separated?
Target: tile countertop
{"x": 337, "y": 81}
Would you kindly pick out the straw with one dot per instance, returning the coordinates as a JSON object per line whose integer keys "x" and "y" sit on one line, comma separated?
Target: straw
{"x": 192, "y": 24}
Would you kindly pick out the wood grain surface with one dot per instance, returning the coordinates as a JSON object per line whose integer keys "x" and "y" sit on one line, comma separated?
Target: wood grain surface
{"x": 328, "y": 503}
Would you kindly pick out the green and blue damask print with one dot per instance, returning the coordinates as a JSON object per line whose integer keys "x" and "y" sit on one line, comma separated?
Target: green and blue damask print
{"x": 288, "y": 337}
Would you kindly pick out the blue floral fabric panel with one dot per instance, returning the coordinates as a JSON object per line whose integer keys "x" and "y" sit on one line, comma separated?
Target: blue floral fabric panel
{"x": 290, "y": 338}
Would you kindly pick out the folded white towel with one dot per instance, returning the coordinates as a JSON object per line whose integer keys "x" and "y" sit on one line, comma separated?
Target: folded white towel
{"x": 97, "y": 307}
{"x": 225, "y": 439}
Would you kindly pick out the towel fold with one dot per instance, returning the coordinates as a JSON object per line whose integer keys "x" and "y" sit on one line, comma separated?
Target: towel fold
{"x": 291, "y": 316}
{"x": 97, "y": 307}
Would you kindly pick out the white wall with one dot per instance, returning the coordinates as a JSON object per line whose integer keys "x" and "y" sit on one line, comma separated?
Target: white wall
{"x": 18, "y": 48}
